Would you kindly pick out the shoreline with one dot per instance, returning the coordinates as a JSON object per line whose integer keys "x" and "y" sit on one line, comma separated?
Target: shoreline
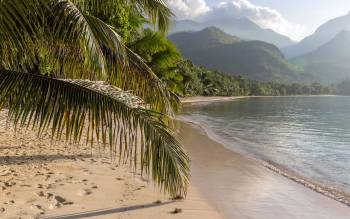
{"x": 209, "y": 99}
{"x": 228, "y": 175}
{"x": 327, "y": 191}
{"x": 202, "y": 99}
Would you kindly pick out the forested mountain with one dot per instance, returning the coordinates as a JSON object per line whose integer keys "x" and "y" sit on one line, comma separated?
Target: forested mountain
{"x": 207, "y": 38}
{"x": 256, "y": 60}
{"x": 323, "y": 34}
{"x": 331, "y": 61}
{"x": 199, "y": 81}
{"x": 242, "y": 28}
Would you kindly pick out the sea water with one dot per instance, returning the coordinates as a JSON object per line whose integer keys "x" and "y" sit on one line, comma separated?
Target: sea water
{"x": 309, "y": 135}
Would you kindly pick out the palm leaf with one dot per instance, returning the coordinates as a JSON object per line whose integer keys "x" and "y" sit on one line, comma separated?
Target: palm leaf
{"x": 78, "y": 45}
{"x": 125, "y": 69}
{"x": 156, "y": 11}
{"x": 72, "y": 107}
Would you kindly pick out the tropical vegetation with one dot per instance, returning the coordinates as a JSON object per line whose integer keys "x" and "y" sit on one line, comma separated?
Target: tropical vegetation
{"x": 203, "y": 82}
{"x": 66, "y": 65}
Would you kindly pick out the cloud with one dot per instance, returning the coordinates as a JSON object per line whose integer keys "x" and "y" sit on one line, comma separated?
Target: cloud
{"x": 265, "y": 17}
{"x": 188, "y": 9}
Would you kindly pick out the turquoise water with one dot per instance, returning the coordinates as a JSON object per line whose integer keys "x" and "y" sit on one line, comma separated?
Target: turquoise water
{"x": 307, "y": 135}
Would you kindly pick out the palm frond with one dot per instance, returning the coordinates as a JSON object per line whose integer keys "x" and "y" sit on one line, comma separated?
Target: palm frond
{"x": 73, "y": 26}
{"x": 141, "y": 79}
{"x": 126, "y": 69}
{"x": 18, "y": 20}
{"x": 156, "y": 11}
{"x": 71, "y": 107}
{"x": 77, "y": 45}
{"x": 20, "y": 27}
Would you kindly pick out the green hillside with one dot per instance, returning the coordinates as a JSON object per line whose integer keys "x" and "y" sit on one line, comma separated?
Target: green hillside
{"x": 330, "y": 62}
{"x": 206, "y": 38}
{"x": 254, "y": 59}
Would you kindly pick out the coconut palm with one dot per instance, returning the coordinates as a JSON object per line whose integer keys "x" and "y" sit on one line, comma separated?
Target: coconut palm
{"x": 161, "y": 55}
{"x": 65, "y": 69}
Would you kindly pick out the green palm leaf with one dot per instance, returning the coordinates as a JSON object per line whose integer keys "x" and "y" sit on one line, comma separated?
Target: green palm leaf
{"x": 72, "y": 107}
{"x": 79, "y": 45}
{"x": 156, "y": 11}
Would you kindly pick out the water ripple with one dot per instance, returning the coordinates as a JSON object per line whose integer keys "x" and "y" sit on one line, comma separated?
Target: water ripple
{"x": 308, "y": 135}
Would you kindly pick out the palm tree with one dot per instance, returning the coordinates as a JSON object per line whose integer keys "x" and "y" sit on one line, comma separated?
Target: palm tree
{"x": 63, "y": 68}
{"x": 161, "y": 55}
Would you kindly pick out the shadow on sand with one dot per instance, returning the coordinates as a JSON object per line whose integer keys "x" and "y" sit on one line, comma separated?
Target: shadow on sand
{"x": 105, "y": 212}
{"x": 23, "y": 159}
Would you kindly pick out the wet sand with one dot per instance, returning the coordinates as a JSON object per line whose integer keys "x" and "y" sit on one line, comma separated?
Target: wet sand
{"x": 240, "y": 187}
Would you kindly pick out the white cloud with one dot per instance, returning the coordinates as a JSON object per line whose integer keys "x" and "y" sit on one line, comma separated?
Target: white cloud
{"x": 188, "y": 9}
{"x": 263, "y": 16}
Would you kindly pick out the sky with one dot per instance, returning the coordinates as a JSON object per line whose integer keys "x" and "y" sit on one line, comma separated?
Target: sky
{"x": 294, "y": 18}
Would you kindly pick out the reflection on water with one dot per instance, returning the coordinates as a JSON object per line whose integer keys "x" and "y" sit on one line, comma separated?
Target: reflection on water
{"x": 309, "y": 135}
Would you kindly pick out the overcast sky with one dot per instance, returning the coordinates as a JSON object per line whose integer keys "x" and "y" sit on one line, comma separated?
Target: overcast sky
{"x": 295, "y": 18}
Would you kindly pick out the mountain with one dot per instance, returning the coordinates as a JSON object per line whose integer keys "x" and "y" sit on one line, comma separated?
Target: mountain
{"x": 242, "y": 28}
{"x": 323, "y": 34}
{"x": 331, "y": 61}
{"x": 206, "y": 38}
{"x": 257, "y": 60}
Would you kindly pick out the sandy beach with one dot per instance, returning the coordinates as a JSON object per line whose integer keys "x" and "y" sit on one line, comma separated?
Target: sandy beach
{"x": 201, "y": 99}
{"x": 44, "y": 179}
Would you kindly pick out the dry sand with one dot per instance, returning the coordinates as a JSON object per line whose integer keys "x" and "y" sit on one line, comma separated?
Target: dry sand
{"x": 199, "y": 99}
{"x": 41, "y": 179}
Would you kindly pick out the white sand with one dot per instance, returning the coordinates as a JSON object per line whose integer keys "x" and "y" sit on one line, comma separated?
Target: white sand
{"x": 200, "y": 99}
{"x": 40, "y": 179}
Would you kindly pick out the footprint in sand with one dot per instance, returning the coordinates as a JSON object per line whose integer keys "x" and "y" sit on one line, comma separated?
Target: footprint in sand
{"x": 62, "y": 200}
{"x": 41, "y": 194}
{"x": 54, "y": 205}
{"x": 88, "y": 172}
{"x": 38, "y": 209}
{"x": 84, "y": 192}
{"x": 9, "y": 184}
